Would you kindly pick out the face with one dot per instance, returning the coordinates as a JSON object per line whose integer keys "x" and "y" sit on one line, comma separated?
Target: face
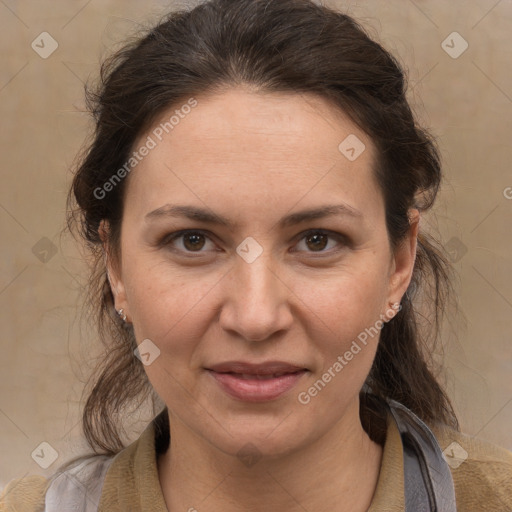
{"x": 267, "y": 284}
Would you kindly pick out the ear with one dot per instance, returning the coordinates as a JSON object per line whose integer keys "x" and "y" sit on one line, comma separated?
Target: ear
{"x": 113, "y": 270}
{"x": 402, "y": 260}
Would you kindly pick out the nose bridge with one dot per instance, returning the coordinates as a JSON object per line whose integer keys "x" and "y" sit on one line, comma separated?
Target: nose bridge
{"x": 254, "y": 267}
{"x": 256, "y": 303}
{"x": 258, "y": 279}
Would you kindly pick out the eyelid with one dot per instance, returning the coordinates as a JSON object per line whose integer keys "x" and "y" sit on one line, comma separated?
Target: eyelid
{"x": 170, "y": 237}
{"x": 341, "y": 238}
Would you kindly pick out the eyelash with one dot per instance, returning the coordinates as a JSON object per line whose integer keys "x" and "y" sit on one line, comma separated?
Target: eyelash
{"x": 342, "y": 239}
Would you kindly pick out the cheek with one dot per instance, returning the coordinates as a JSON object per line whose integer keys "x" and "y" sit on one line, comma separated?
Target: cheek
{"x": 175, "y": 307}
{"x": 163, "y": 297}
{"x": 162, "y": 304}
{"x": 343, "y": 302}
{"x": 344, "y": 327}
{"x": 173, "y": 312}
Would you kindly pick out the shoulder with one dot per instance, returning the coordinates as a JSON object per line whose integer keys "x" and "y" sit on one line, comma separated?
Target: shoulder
{"x": 481, "y": 471}
{"x": 26, "y": 494}
{"x": 66, "y": 489}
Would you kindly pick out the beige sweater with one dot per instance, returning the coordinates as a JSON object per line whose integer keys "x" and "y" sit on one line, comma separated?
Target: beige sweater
{"x": 483, "y": 482}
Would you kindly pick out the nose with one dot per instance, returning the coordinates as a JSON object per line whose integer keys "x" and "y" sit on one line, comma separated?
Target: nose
{"x": 256, "y": 302}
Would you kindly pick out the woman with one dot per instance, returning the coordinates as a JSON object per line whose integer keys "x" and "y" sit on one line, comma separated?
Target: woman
{"x": 252, "y": 198}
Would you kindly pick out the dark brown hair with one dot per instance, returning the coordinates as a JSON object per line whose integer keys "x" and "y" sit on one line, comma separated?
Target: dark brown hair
{"x": 294, "y": 46}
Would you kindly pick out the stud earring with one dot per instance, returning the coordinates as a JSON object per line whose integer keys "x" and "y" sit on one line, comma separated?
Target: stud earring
{"x": 394, "y": 308}
{"x": 122, "y": 314}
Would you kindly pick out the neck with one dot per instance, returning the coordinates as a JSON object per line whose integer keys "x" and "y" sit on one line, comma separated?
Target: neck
{"x": 337, "y": 472}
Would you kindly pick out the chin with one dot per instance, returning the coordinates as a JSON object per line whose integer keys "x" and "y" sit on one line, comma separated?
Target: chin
{"x": 258, "y": 440}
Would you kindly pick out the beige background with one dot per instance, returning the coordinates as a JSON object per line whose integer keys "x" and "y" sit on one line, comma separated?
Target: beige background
{"x": 466, "y": 101}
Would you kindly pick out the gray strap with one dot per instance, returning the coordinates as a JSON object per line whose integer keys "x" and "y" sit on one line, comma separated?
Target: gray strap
{"x": 78, "y": 489}
{"x": 427, "y": 477}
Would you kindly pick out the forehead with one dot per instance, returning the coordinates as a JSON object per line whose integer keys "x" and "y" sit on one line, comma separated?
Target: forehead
{"x": 243, "y": 148}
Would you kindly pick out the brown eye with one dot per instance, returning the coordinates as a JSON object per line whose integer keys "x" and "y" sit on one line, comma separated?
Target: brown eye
{"x": 188, "y": 242}
{"x": 193, "y": 241}
{"x": 316, "y": 241}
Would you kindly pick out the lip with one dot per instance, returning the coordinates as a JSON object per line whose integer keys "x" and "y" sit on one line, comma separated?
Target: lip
{"x": 266, "y": 368}
{"x": 253, "y": 382}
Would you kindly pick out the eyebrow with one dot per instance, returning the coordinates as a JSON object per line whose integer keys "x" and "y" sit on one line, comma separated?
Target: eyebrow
{"x": 209, "y": 217}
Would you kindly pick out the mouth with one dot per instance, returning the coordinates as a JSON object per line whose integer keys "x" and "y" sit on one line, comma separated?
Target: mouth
{"x": 249, "y": 376}
{"x": 256, "y": 382}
